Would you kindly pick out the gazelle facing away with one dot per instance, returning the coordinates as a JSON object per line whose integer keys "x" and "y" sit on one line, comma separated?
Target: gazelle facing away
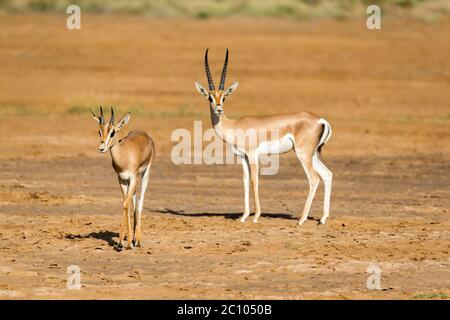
{"x": 303, "y": 132}
{"x": 131, "y": 156}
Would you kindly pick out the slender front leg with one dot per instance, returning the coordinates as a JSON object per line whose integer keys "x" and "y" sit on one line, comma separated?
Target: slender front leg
{"x": 131, "y": 192}
{"x": 254, "y": 172}
{"x": 124, "y": 188}
{"x": 246, "y": 180}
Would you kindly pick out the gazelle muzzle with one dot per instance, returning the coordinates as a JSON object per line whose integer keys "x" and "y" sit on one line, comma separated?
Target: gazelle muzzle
{"x": 103, "y": 147}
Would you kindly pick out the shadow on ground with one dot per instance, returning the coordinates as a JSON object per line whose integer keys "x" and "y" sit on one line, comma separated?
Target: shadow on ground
{"x": 106, "y": 236}
{"x": 232, "y": 215}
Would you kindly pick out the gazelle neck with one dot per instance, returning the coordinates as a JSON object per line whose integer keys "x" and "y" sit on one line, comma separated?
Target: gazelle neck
{"x": 115, "y": 150}
{"x": 221, "y": 123}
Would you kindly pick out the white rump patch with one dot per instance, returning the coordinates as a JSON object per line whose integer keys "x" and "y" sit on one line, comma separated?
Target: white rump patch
{"x": 326, "y": 133}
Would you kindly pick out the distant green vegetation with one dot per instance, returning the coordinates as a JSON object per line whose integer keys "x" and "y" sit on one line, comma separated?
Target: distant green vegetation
{"x": 181, "y": 112}
{"x": 202, "y": 9}
{"x": 432, "y": 296}
{"x": 15, "y": 109}
{"x": 18, "y": 109}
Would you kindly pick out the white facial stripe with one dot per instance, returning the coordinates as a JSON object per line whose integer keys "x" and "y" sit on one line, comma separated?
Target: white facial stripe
{"x": 108, "y": 138}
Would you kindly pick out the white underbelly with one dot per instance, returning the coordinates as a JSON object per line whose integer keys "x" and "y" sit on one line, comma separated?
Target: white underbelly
{"x": 283, "y": 145}
{"x": 126, "y": 175}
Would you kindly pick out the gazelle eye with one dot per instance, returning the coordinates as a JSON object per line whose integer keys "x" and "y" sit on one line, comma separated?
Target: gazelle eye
{"x": 113, "y": 132}
{"x": 210, "y": 99}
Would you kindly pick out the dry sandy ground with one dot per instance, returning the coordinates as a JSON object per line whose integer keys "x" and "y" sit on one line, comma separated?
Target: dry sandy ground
{"x": 385, "y": 94}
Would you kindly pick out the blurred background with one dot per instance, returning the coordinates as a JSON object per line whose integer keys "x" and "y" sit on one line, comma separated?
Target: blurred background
{"x": 289, "y": 55}
{"x": 427, "y": 10}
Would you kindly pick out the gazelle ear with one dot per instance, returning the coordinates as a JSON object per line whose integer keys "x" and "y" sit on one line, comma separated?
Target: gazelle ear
{"x": 202, "y": 90}
{"x": 231, "y": 88}
{"x": 124, "y": 121}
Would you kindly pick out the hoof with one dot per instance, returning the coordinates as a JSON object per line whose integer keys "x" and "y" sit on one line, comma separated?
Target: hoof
{"x": 242, "y": 220}
{"x": 321, "y": 222}
{"x": 255, "y": 221}
{"x": 300, "y": 223}
{"x": 136, "y": 244}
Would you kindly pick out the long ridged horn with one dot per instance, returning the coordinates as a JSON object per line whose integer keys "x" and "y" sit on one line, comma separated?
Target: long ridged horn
{"x": 208, "y": 72}
{"x": 224, "y": 72}
{"x": 111, "y": 120}
{"x": 101, "y": 118}
{"x": 93, "y": 114}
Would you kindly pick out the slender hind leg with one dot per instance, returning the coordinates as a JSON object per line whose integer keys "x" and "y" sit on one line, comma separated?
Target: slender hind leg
{"x": 138, "y": 229}
{"x": 254, "y": 173}
{"x": 327, "y": 178}
{"x": 246, "y": 180}
{"x": 313, "y": 179}
{"x": 134, "y": 211}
